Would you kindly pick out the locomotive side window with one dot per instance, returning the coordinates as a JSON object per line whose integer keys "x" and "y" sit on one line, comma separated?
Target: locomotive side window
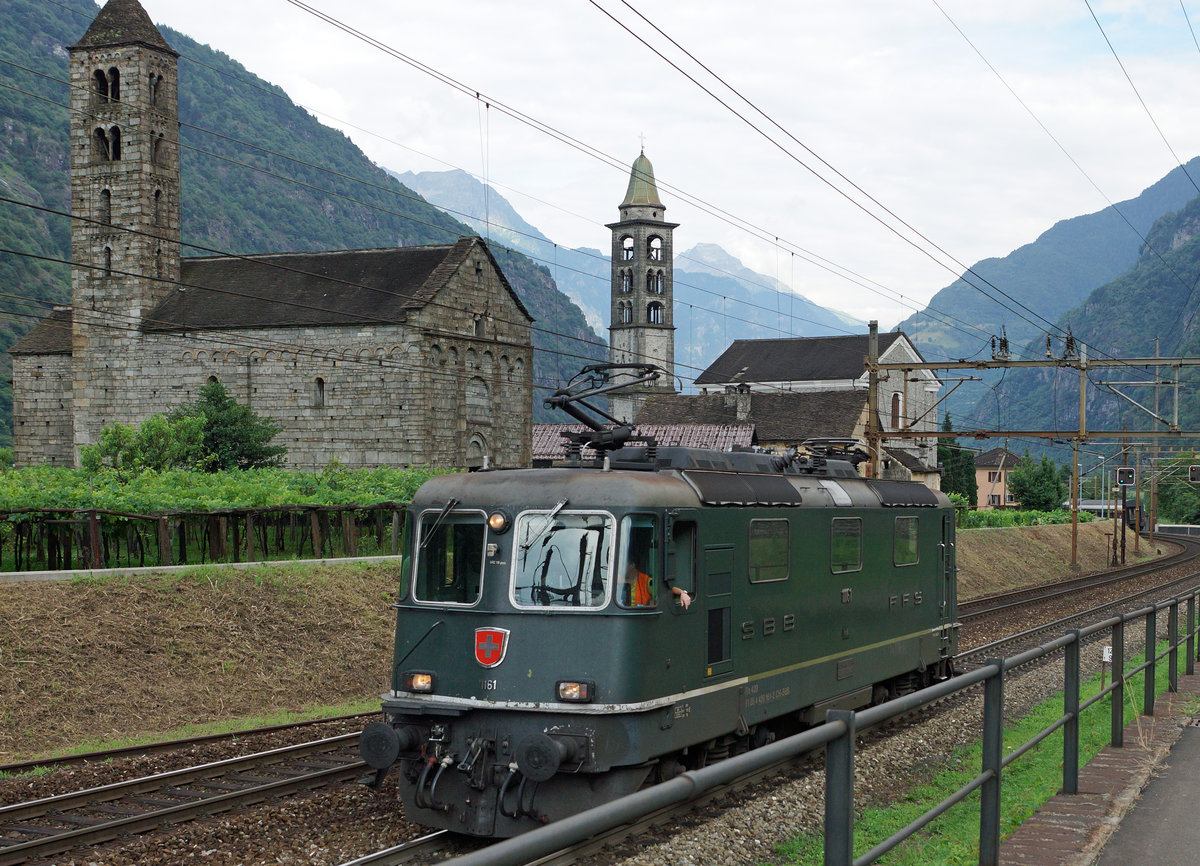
{"x": 450, "y": 558}
{"x": 681, "y": 557}
{"x": 639, "y": 561}
{"x": 770, "y": 542}
{"x": 562, "y": 560}
{"x": 845, "y": 544}
{"x": 904, "y": 541}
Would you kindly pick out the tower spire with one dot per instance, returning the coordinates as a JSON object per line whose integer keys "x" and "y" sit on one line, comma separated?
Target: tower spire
{"x": 641, "y": 329}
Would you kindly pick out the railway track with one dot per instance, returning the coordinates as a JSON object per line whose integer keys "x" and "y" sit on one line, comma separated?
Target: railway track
{"x": 162, "y": 746}
{"x": 41, "y": 828}
{"x": 982, "y": 606}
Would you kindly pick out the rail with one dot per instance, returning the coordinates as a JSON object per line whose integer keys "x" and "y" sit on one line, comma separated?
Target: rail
{"x": 838, "y": 733}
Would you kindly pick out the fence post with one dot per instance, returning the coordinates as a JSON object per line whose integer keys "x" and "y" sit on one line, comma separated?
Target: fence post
{"x": 1151, "y": 644}
{"x": 1071, "y": 711}
{"x": 1173, "y": 645}
{"x": 839, "y": 792}
{"x": 993, "y": 759}
{"x": 396, "y": 532}
{"x": 1117, "y": 735}
{"x": 95, "y": 554}
{"x": 164, "y": 542}
{"x": 1189, "y": 665}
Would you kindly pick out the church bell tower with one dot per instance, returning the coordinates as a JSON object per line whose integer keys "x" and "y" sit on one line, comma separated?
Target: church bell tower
{"x": 642, "y": 329}
{"x": 125, "y": 195}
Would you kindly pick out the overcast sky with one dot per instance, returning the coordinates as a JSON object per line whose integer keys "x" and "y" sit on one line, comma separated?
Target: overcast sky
{"x": 888, "y": 93}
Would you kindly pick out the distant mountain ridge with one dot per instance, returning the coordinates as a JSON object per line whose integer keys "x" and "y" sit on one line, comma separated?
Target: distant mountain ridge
{"x": 718, "y": 299}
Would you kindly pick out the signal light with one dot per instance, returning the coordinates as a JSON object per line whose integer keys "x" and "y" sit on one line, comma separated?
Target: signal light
{"x": 1194, "y": 473}
{"x": 1125, "y": 476}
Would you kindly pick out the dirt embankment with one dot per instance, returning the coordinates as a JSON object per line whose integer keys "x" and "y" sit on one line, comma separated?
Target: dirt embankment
{"x": 141, "y": 656}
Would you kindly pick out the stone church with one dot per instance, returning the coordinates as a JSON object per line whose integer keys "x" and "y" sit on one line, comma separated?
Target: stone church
{"x": 396, "y": 357}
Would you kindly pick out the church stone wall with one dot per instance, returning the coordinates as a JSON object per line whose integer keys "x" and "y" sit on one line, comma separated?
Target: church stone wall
{"x": 42, "y": 416}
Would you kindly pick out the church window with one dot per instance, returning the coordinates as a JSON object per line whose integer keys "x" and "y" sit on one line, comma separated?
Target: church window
{"x": 158, "y": 266}
{"x": 479, "y": 326}
{"x": 114, "y": 85}
{"x": 155, "y": 86}
{"x": 626, "y": 281}
{"x": 654, "y": 282}
{"x": 100, "y": 82}
{"x": 654, "y": 313}
{"x": 654, "y": 249}
{"x": 100, "y": 148}
{"x": 114, "y": 143}
{"x": 896, "y": 411}
{"x": 105, "y": 206}
{"x": 156, "y": 151}
{"x": 627, "y": 248}
{"x": 625, "y": 312}
{"x": 319, "y": 393}
{"x": 158, "y": 208}
{"x": 212, "y": 380}
{"x": 108, "y": 261}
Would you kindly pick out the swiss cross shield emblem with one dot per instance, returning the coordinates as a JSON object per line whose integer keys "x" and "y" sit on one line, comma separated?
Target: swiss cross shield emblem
{"x": 490, "y": 646}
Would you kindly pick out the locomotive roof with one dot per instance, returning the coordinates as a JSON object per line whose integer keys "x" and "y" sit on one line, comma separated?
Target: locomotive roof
{"x": 683, "y": 487}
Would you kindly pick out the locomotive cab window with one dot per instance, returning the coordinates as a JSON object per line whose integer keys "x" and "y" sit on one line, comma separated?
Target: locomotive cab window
{"x": 904, "y": 541}
{"x": 449, "y": 558}
{"x": 770, "y": 542}
{"x": 845, "y": 545}
{"x": 563, "y": 560}
{"x": 640, "y": 557}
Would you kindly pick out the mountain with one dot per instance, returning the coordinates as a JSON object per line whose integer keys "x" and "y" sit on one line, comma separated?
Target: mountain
{"x": 258, "y": 174}
{"x": 718, "y": 299}
{"x": 1157, "y": 298}
{"x": 1051, "y": 275}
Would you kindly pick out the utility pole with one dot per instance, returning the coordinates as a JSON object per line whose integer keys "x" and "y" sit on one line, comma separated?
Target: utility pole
{"x": 1137, "y": 499}
{"x": 873, "y": 437}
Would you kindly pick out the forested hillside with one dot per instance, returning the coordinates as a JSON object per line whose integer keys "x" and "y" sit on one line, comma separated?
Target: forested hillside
{"x": 1157, "y": 298}
{"x": 299, "y": 186}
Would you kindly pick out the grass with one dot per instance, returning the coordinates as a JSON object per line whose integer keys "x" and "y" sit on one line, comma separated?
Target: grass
{"x": 220, "y": 727}
{"x": 1026, "y": 783}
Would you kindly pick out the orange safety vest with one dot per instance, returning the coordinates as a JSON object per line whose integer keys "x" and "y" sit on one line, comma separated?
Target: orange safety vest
{"x": 641, "y": 590}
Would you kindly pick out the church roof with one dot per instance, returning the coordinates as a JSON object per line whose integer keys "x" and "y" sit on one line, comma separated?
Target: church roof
{"x": 122, "y": 22}
{"x": 50, "y": 336}
{"x": 789, "y": 416}
{"x": 794, "y": 359}
{"x": 343, "y": 287}
{"x": 642, "y": 189}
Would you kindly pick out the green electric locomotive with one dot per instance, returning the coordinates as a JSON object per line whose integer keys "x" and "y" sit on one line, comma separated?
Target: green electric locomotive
{"x": 565, "y": 636}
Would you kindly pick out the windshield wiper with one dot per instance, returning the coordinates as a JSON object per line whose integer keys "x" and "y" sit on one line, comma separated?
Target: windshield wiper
{"x": 549, "y": 521}
{"x": 429, "y": 533}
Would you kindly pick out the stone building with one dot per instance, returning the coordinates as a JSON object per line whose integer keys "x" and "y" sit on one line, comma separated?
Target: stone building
{"x": 372, "y": 357}
{"x": 643, "y": 293}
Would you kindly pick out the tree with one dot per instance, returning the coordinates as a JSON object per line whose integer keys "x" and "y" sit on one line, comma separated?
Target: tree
{"x": 234, "y": 437}
{"x": 160, "y": 443}
{"x": 958, "y": 467}
{"x": 1037, "y": 485}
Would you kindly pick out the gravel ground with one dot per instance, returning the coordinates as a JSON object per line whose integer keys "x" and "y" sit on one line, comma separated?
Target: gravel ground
{"x": 335, "y": 825}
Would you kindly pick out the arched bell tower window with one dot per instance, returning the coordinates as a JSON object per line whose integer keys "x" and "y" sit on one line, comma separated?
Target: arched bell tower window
{"x": 114, "y": 85}
{"x": 654, "y": 282}
{"x": 106, "y": 206}
{"x": 156, "y": 151}
{"x": 100, "y": 149}
{"x": 896, "y": 411}
{"x": 625, "y": 312}
{"x": 627, "y": 249}
{"x": 114, "y": 143}
{"x": 108, "y": 261}
{"x": 654, "y": 249}
{"x": 158, "y": 208}
{"x": 654, "y": 313}
{"x": 319, "y": 392}
{"x": 100, "y": 85}
{"x": 626, "y": 281}
{"x": 155, "y": 87}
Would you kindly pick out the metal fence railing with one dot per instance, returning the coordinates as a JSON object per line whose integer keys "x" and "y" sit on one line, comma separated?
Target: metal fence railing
{"x": 838, "y": 733}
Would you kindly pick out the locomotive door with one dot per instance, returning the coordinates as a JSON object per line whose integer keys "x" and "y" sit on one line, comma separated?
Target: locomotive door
{"x": 949, "y": 571}
{"x": 718, "y": 590}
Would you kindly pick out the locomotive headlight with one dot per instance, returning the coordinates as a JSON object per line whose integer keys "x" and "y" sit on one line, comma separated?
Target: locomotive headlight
{"x": 416, "y": 681}
{"x": 576, "y": 691}
{"x": 498, "y": 522}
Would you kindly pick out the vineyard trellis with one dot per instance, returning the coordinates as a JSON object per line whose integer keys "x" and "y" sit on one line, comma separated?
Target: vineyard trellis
{"x": 55, "y": 539}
